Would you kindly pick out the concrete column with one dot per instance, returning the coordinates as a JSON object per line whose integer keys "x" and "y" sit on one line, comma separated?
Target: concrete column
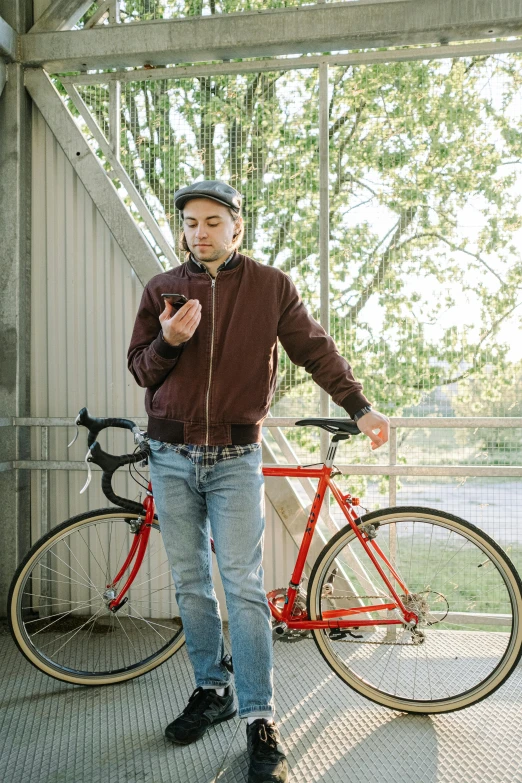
{"x": 15, "y": 277}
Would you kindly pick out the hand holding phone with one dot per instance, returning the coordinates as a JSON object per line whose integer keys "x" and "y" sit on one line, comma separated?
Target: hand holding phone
{"x": 179, "y": 325}
{"x": 175, "y": 299}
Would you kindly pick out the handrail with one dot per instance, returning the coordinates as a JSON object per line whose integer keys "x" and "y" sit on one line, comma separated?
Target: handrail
{"x": 390, "y": 469}
{"x": 437, "y": 422}
{"x": 387, "y": 469}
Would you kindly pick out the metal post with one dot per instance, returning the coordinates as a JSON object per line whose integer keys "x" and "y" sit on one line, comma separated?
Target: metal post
{"x": 3, "y": 76}
{"x": 44, "y": 483}
{"x": 391, "y": 632}
{"x": 392, "y": 482}
{"x": 115, "y": 94}
{"x": 324, "y": 230}
{"x": 45, "y": 589}
{"x": 114, "y": 117}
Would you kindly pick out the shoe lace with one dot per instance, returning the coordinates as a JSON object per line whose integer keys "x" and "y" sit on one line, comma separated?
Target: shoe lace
{"x": 266, "y": 738}
{"x": 200, "y": 697}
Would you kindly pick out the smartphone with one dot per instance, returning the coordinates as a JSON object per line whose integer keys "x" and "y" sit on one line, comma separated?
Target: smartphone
{"x": 176, "y": 300}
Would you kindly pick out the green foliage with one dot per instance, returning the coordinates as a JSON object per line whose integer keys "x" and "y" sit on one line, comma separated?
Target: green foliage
{"x": 483, "y": 396}
{"x": 424, "y": 203}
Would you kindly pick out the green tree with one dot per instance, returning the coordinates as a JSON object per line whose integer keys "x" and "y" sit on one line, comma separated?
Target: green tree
{"x": 424, "y": 203}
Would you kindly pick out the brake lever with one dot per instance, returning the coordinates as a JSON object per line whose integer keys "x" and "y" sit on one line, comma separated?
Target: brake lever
{"x": 76, "y": 421}
{"x": 89, "y": 473}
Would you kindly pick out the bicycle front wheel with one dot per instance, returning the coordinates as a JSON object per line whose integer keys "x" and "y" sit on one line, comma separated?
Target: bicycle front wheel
{"x": 459, "y": 582}
{"x": 58, "y": 602}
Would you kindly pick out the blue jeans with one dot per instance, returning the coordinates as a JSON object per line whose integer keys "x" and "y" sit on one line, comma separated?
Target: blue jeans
{"x": 227, "y": 502}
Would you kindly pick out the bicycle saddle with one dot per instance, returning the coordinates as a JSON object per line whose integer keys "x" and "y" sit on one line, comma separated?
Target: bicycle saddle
{"x": 332, "y": 425}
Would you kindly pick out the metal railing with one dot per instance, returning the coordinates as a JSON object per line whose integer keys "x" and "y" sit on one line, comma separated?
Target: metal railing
{"x": 391, "y": 468}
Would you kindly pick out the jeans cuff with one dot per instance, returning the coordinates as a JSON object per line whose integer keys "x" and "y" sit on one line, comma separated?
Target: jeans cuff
{"x": 207, "y": 684}
{"x": 257, "y": 712}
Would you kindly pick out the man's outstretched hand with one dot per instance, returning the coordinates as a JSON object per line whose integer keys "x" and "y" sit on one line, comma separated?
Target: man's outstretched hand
{"x": 376, "y": 426}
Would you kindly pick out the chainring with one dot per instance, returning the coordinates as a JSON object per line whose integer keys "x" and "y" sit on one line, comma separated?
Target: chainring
{"x": 278, "y": 597}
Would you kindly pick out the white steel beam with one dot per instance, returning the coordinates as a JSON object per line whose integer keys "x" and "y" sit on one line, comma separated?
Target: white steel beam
{"x": 411, "y": 422}
{"x": 102, "y": 13}
{"x": 324, "y": 234}
{"x": 3, "y": 76}
{"x": 61, "y": 15}
{"x": 291, "y": 63}
{"x": 8, "y": 41}
{"x": 132, "y": 242}
{"x": 279, "y": 31}
{"x": 113, "y": 158}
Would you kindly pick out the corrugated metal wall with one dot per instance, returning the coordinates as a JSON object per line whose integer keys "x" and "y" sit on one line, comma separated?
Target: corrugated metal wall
{"x": 84, "y": 299}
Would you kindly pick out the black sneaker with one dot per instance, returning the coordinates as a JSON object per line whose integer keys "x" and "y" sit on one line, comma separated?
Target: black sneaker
{"x": 268, "y": 763}
{"x": 204, "y": 708}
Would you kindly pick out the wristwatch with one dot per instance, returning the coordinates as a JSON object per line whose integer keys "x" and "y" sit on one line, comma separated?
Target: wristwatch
{"x": 361, "y": 413}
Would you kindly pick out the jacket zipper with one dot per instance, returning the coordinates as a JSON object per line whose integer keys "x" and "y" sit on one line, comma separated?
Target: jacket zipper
{"x": 211, "y": 354}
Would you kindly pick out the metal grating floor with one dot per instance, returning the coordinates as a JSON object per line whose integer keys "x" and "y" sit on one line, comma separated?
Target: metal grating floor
{"x": 55, "y": 733}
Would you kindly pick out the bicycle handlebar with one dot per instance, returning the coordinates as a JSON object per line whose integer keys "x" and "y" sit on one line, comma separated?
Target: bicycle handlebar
{"x": 96, "y": 425}
{"x": 109, "y": 463}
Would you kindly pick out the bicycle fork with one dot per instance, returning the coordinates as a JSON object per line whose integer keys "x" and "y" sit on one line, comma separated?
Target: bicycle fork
{"x": 139, "y": 545}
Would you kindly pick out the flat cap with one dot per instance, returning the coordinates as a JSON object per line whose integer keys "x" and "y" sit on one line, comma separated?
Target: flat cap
{"x": 209, "y": 188}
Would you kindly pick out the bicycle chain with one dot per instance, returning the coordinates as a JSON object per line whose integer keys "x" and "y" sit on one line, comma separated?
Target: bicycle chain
{"x": 360, "y": 641}
{"x": 351, "y": 641}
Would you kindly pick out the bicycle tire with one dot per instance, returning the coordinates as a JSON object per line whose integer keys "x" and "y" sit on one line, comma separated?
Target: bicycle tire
{"x": 24, "y": 603}
{"x": 462, "y": 631}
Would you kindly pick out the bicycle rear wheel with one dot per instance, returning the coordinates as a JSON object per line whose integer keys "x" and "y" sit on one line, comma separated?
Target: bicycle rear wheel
{"x": 461, "y": 584}
{"x": 58, "y": 602}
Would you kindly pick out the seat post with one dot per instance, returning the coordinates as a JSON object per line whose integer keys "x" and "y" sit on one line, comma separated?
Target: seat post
{"x": 330, "y": 456}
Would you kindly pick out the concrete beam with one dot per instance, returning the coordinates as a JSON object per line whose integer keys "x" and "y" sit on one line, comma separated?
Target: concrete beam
{"x": 411, "y": 54}
{"x": 61, "y": 15}
{"x": 318, "y": 28}
{"x": 3, "y": 76}
{"x": 15, "y": 318}
{"x": 132, "y": 242}
{"x": 8, "y": 41}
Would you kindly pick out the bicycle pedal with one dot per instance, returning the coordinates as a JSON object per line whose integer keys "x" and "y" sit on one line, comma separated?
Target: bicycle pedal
{"x": 336, "y": 634}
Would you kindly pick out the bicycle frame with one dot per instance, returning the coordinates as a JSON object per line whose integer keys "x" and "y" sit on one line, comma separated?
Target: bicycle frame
{"x": 331, "y": 619}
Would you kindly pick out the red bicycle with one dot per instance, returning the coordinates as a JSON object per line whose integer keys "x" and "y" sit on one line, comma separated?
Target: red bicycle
{"x": 414, "y": 608}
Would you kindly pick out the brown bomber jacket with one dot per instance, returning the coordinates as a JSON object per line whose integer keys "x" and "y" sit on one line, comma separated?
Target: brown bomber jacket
{"x": 216, "y": 388}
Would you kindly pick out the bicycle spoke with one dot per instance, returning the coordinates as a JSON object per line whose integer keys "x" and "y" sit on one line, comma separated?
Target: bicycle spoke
{"x": 124, "y": 631}
{"x": 79, "y": 634}
{"x": 50, "y": 598}
{"x": 58, "y": 614}
{"x": 464, "y": 615}
{"x": 136, "y": 626}
{"x": 156, "y": 576}
{"x": 91, "y": 619}
{"x": 91, "y": 554}
{"x": 152, "y": 625}
{"x": 83, "y": 569}
{"x": 70, "y": 581}
{"x": 62, "y": 615}
{"x": 108, "y": 573}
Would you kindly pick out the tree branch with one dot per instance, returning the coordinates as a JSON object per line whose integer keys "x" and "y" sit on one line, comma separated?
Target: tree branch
{"x": 405, "y": 220}
{"x": 453, "y": 246}
{"x": 474, "y": 366}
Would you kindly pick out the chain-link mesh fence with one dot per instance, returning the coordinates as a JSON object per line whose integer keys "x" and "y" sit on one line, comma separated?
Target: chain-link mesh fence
{"x": 425, "y": 269}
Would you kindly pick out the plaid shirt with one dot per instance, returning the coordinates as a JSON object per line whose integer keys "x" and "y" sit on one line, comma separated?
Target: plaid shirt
{"x": 207, "y": 456}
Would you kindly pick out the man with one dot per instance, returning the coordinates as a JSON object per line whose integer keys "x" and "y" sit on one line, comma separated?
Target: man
{"x": 209, "y": 368}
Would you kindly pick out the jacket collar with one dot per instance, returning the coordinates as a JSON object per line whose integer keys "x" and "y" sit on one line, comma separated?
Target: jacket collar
{"x": 232, "y": 261}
